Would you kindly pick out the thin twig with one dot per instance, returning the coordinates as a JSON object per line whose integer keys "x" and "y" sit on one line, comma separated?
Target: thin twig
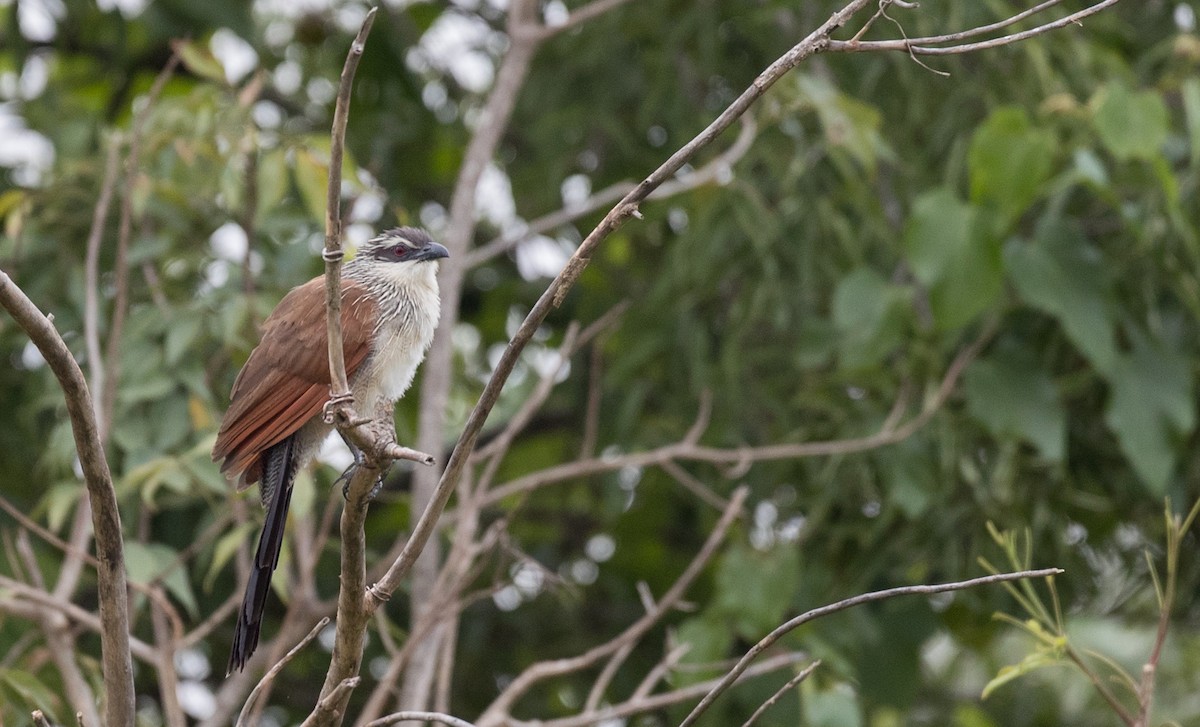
{"x": 713, "y": 172}
{"x": 60, "y": 639}
{"x": 891, "y": 432}
{"x": 24, "y": 592}
{"x": 91, "y": 276}
{"x": 842, "y": 605}
{"x": 927, "y": 46}
{"x": 418, "y": 716}
{"x": 653, "y": 702}
{"x": 278, "y": 667}
{"x": 544, "y": 670}
{"x": 579, "y": 16}
{"x": 787, "y": 687}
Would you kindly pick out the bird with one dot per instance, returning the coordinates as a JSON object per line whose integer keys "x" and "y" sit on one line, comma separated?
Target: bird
{"x": 274, "y": 424}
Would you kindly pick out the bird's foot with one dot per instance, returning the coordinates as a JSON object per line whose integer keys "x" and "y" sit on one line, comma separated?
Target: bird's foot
{"x": 348, "y": 475}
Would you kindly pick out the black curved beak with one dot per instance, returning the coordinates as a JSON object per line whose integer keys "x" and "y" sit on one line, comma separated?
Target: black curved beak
{"x": 431, "y": 251}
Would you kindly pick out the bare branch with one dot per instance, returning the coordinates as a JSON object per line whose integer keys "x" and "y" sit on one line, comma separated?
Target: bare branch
{"x": 91, "y": 276}
{"x": 579, "y": 16}
{"x": 715, "y": 171}
{"x": 24, "y": 592}
{"x": 929, "y": 45}
{"x": 890, "y": 433}
{"x": 657, "y": 701}
{"x": 59, "y": 638}
{"x": 339, "y": 388}
{"x": 547, "y": 669}
{"x": 842, "y": 605}
{"x": 558, "y": 288}
{"x": 167, "y": 637}
{"x": 419, "y": 716}
{"x": 106, "y": 518}
{"x": 278, "y": 667}
{"x": 787, "y": 687}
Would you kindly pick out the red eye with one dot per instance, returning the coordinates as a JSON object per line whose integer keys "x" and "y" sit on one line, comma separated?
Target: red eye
{"x": 400, "y": 250}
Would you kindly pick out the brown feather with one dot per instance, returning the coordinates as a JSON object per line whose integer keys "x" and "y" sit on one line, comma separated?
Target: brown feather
{"x": 285, "y": 382}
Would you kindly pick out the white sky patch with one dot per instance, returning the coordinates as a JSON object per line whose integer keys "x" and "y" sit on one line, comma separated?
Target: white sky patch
{"x": 369, "y": 205}
{"x": 29, "y": 154}
{"x": 288, "y": 77}
{"x": 235, "y": 54}
{"x": 453, "y": 44}
{"x": 494, "y": 198}
{"x": 31, "y": 357}
{"x": 600, "y": 547}
{"x": 358, "y": 233}
{"x": 34, "y": 76}
{"x": 291, "y": 8}
{"x": 575, "y": 190}
{"x": 350, "y": 17}
{"x": 555, "y": 14}
{"x": 38, "y": 19}
{"x": 196, "y": 699}
{"x": 547, "y": 361}
{"x": 228, "y": 242}
{"x": 128, "y": 8}
{"x": 542, "y": 257}
{"x": 335, "y": 453}
{"x": 267, "y": 115}
{"x": 192, "y": 664}
{"x": 216, "y": 274}
{"x": 321, "y": 91}
{"x": 1185, "y": 18}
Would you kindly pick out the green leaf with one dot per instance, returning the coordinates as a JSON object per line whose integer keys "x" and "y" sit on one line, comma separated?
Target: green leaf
{"x": 272, "y": 181}
{"x": 1039, "y": 659}
{"x": 1151, "y": 410}
{"x": 1008, "y": 162}
{"x": 1132, "y": 125}
{"x": 199, "y": 59}
{"x": 708, "y": 638}
{"x": 1013, "y": 396}
{"x": 32, "y": 691}
{"x": 848, "y": 123}
{"x": 1063, "y": 276}
{"x": 146, "y": 561}
{"x": 754, "y": 588}
{"x": 1191, "y": 108}
{"x": 224, "y": 550}
{"x": 870, "y": 315}
{"x": 312, "y": 178}
{"x": 953, "y": 254}
{"x": 182, "y": 333}
{"x": 909, "y": 472}
{"x": 835, "y": 706}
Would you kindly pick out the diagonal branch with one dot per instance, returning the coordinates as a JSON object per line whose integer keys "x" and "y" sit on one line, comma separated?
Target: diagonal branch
{"x": 816, "y": 613}
{"x": 558, "y": 288}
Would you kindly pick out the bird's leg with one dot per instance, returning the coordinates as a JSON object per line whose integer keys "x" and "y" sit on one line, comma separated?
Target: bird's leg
{"x": 348, "y": 474}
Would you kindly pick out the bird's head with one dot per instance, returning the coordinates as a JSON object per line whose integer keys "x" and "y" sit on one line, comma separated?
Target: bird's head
{"x": 400, "y": 253}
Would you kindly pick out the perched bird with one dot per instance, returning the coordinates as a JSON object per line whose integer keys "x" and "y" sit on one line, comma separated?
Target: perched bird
{"x": 273, "y": 426}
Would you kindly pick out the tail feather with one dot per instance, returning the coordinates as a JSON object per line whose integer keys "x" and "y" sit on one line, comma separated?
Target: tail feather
{"x": 279, "y": 474}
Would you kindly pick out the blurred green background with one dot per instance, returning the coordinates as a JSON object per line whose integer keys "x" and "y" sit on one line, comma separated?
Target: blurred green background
{"x": 884, "y": 218}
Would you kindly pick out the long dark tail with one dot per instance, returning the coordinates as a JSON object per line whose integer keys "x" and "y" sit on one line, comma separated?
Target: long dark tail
{"x": 279, "y": 473}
